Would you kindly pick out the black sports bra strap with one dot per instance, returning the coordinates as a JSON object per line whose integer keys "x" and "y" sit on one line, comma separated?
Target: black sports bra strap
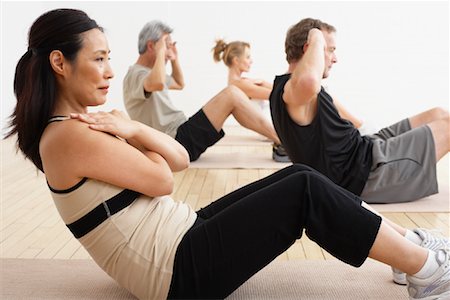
{"x": 58, "y": 119}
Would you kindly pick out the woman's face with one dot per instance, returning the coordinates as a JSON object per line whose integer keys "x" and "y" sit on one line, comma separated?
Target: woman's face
{"x": 244, "y": 61}
{"x": 87, "y": 81}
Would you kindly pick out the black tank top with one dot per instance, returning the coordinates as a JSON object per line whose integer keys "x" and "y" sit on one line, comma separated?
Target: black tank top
{"x": 330, "y": 144}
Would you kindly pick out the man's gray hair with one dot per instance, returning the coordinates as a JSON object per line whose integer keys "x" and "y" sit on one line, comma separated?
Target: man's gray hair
{"x": 152, "y": 31}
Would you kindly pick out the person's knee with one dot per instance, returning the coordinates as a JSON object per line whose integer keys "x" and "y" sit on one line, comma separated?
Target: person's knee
{"x": 440, "y": 113}
{"x": 305, "y": 177}
{"x": 301, "y": 168}
{"x": 233, "y": 94}
{"x": 234, "y": 91}
{"x": 301, "y": 173}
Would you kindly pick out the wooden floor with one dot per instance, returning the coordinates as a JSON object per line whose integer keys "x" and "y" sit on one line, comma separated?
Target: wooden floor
{"x": 31, "y": 228}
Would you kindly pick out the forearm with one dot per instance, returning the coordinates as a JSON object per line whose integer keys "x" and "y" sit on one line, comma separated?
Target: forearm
{"x": 345, "y": 114}
{"x": 149, "y": 139}
{"x": 312, "y": 64}
{"x": 155, "y": 80}
{"x": 259, "y": 93}
{"x": 177, "y": 73}
{"x": 253, "y": 90}
{"x": 267, "y": 85}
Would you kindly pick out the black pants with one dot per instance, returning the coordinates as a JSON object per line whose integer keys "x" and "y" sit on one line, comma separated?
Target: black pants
{"x": 237, "y": 235}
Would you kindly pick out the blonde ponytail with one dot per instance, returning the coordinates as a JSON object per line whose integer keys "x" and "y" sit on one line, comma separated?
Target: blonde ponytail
{"x": 218, "y": 49}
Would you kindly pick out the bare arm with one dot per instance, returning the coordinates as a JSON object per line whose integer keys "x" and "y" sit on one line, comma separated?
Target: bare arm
{"x": 264, "y": 84}
{"x": 89, "y": 152}
{"x": 156, "y": 78}
{"x": 142, "y": 137}
{"x": 74, "y": 150}
{"x": 345, "y": 114}
{"x": 177, "y": 74}
{"x": 305, "y": 81}
{"x": 254, "y": 89}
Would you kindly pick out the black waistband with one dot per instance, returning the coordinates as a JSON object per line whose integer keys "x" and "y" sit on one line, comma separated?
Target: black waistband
{"x": 102, "y": 212}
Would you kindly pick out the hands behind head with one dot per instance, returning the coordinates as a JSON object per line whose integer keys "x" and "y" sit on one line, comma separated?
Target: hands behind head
{"x": 115, "y": 122}
{"x": 161, "y": 44}
{"x": 313, "y": 34}
{"x": 314, "y": 31}
{"x": 165, "y": 44}
{"x": 173, "y": 53}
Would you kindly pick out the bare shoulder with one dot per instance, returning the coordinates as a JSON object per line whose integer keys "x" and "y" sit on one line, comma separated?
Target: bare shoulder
{"x": 245, "y": 84}
{"x": 301, "y": 110}
{"x": 238, "y": 81}
{"x": 74, "y": 138}
{"x": 64, "y": 147}
{"x": 59, "y": 136}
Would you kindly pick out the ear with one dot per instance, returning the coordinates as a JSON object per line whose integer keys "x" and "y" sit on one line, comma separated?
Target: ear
{"x": 305, "y": 47}
{"x": 57, "y": 61}
{"x": 235, "y": 60}
{"x": 150, "y": 46}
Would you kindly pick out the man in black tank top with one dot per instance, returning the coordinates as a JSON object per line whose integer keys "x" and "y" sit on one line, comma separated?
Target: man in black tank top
{"x": 330, "y": 144}
{"x": 397, "y": 164}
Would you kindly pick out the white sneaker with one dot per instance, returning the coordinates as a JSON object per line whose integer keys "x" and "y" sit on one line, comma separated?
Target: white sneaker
{"x": 429, "y": 241}
{"x": 435, "y": 287}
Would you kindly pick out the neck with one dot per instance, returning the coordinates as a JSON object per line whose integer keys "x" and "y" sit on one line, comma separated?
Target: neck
{"x": 292, "y": 67}
{"x": 65, "y": 106}
{"x": 145, "y": 61}
{"x": 234, "y": 73}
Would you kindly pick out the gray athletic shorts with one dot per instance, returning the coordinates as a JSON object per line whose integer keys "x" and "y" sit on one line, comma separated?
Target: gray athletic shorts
{"x": 403, "y": 166}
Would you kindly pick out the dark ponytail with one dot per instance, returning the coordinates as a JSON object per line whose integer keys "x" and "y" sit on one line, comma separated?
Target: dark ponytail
{"x": 34, "y": 82}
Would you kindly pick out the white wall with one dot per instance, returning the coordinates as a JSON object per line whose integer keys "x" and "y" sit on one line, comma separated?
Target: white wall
{"x": 393, "y": 56}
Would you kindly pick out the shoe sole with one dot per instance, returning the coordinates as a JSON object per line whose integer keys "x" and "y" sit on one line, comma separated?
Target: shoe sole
{"x": 400, "y": 282}
{"x": 282, "y": 159}
{"x": 444, "y": 296}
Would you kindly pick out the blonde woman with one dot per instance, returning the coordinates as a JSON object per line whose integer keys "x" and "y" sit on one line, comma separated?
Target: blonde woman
{"x": 237, "y": 57}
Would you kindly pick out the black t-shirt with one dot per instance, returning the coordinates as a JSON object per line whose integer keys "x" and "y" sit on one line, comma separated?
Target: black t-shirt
{"x": 330, "y": 144}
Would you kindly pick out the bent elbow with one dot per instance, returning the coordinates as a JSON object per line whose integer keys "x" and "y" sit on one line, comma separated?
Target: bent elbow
{"x": 154, "y": 87}
{"x": 167, "y": 185}
{"x": 185, "y": 159}
{"x": 306, "y": 88}
{"x": 182, "y": 161}
{"x": 159, "y": 87}
{"x": 181, "y": 165}
{"x": 168, "y": 191}
{"x": 310, "y": 85}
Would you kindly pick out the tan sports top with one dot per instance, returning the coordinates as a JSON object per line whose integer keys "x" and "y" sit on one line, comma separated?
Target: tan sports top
{"x": 135, "y": 246}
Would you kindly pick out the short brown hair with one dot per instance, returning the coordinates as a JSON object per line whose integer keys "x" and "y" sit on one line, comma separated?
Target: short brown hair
{"x": 297, "y": 36}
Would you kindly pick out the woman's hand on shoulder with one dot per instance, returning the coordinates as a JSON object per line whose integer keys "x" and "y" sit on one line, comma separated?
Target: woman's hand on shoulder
{"x": 140, "y": 136}
{"x": 108, "y": 159}
{"x": 115, "y": 122}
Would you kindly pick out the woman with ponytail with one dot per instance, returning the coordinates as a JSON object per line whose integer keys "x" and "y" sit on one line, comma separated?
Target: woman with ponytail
{"x": 35, "y": 84}
{"x": 110, "y": 178}
{"x": 236, "y": 56}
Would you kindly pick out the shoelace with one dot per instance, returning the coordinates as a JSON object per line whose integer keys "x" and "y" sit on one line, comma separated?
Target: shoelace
{"x": 432, "y": 236}
{"x": 446, "y": 261}
{"x": 433, "y": 232}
